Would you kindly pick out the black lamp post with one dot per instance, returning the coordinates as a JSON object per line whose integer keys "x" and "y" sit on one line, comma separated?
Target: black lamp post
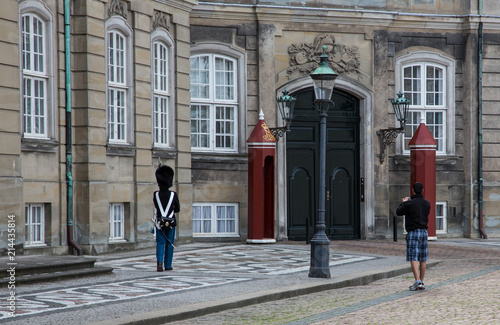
{"x": 387, "y": 136}
{"x": 324, "y": 81}
{"x": 286, "y": 104}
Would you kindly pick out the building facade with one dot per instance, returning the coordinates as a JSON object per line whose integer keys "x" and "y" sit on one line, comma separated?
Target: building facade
{"x": 182, "y": 83}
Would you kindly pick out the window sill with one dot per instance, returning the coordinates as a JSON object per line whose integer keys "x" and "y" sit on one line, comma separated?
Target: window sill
{"x": 164, "y": 152}
{"x": 440, "y": 160}
{"x": 236, "y": 162}
{"x": 220, "y": 157}
{"x": 126, "y": 150}
{"x": 117, "y": 241}
{"x": 35, "y": 245}
{"x": 39, "y": 145}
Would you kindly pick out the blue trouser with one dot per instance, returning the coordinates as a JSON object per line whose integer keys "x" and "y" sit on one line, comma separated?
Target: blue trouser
{"x": 163, "y": 254}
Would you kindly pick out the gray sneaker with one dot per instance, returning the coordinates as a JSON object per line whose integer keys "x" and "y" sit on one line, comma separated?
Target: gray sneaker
{"x": 421, "y": 286}
{"x": 415, "y": 286}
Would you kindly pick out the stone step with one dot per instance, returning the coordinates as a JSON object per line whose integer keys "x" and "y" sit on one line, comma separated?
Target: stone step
{"x": 38, "y": 268}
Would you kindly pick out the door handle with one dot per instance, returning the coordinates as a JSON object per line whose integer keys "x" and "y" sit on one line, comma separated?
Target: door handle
{"x": 328, "y": 195}
{"x": 362, "y": 190}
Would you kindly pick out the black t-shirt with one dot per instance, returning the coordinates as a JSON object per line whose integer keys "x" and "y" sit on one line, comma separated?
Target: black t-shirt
{"x": 416, "y": 212}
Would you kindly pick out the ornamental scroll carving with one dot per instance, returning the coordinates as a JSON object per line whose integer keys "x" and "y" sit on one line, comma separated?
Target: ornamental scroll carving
{"x": 117, "y": 7}
{"x": 304, "y": 57}
{"x": 161, "y": 20}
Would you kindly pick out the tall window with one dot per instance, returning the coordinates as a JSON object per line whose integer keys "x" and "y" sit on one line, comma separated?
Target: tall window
{"x": 161, "y": 93}
{"x": 215, "y": 219}
{"x": 34, "y": 224}
{"x": 428, "y": 80}
{"x": 117, "y": 87}
{"x": 34, "y": 76}
{"x": 214, "y": 103}
{"x": 116, "y": 221}
{"x": 424, "y": 85}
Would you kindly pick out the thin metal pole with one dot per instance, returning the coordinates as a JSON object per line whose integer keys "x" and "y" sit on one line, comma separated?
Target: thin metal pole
{"x": 480, "y": 126}
{"x": 395, "y": 228}
{"x": 322, "y": 169}
{"x": 69, "y": 143}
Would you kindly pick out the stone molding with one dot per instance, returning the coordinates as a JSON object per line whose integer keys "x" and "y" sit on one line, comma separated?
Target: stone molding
{"x": 161, "y": 20}
{"x": 39, "y": 145}
{"x": 117, "y": 7}
{"x": 304, "y": 57}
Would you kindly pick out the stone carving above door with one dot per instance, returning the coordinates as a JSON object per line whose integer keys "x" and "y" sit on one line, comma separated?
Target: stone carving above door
{"x": 304, "y": 57}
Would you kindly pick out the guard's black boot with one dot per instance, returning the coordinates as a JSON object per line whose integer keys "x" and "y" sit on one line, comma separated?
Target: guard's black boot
{"x": 159, "y": 267}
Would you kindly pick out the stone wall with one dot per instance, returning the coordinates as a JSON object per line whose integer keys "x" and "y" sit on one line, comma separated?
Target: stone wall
{"x": 491, "y": 131}
{"x": 102, "y": 173}
{"x": 125, "y": 174}
{"x": 11, "y": 181}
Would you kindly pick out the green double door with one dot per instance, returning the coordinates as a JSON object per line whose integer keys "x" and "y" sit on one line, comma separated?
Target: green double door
{"x": 342, "y": 176}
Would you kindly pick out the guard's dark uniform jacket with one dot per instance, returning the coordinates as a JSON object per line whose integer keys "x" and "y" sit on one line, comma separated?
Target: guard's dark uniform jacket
{"x": 164, "y": 194}
{"x": 416, "y": 212}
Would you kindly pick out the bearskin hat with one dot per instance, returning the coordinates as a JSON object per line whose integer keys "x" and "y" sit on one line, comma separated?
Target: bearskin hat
{"x": 164, "y": 176}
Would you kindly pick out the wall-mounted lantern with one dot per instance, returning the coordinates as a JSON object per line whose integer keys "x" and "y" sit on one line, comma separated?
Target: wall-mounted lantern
{"x": 387, "y": 136}
{"x": 286, "y": 104}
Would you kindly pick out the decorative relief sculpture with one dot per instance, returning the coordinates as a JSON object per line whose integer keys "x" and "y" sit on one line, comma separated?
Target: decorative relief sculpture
{"x": 117, "y": 7}
{"x": 161, "y": 20}
{"x": 268, "y": 136}
{"x": 304, "y": 57}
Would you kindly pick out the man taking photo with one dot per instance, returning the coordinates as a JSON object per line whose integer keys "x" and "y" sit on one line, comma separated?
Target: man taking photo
{"x": 416, "y": 211}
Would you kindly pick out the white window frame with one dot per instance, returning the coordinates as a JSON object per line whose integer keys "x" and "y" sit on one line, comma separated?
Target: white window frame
{"x": 163, "y": 107}
{"x": 216, "y": 130}
{"x": 116, "y": 222}
{"x": 119, "y": 83}
{"x": 212, "y": 222}
{"x": 34, "y": 229}
{"x": 444, "y": 209}
{"x": 239, "y": 55}
{"x": 44, "y": 77}
{"x": 425, "y": 59}
{"x": 117, "y": 110}
{"x": 444, "y": 216}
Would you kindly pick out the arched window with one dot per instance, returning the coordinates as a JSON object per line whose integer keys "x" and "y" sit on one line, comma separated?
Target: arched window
{"x": 119, "y": 81}
{"x": 36, "y": 70}
{"x": 428, "y": 80}
{"x": 117, "y": 88}
{"x": 214, "y": 103}
{"x": 163, "y": 89}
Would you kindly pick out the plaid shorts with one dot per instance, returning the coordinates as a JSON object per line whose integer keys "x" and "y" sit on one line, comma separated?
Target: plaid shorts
{"x": 417, "y": 248}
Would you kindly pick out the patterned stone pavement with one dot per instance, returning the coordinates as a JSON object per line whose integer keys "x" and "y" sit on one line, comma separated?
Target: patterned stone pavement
{"x": 86, "y": 296}
{"x": 218, "y": 263}
{"x": 268, "y": 260}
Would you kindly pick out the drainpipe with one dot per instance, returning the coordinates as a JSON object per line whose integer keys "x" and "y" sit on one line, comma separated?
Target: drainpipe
{"x": 480, "y": 119}
{"x": 69, "y": 178}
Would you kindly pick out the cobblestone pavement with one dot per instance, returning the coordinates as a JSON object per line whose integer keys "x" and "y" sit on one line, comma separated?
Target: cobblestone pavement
{"x": 136, "y": 278}
{"x": 463, "y": 289}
